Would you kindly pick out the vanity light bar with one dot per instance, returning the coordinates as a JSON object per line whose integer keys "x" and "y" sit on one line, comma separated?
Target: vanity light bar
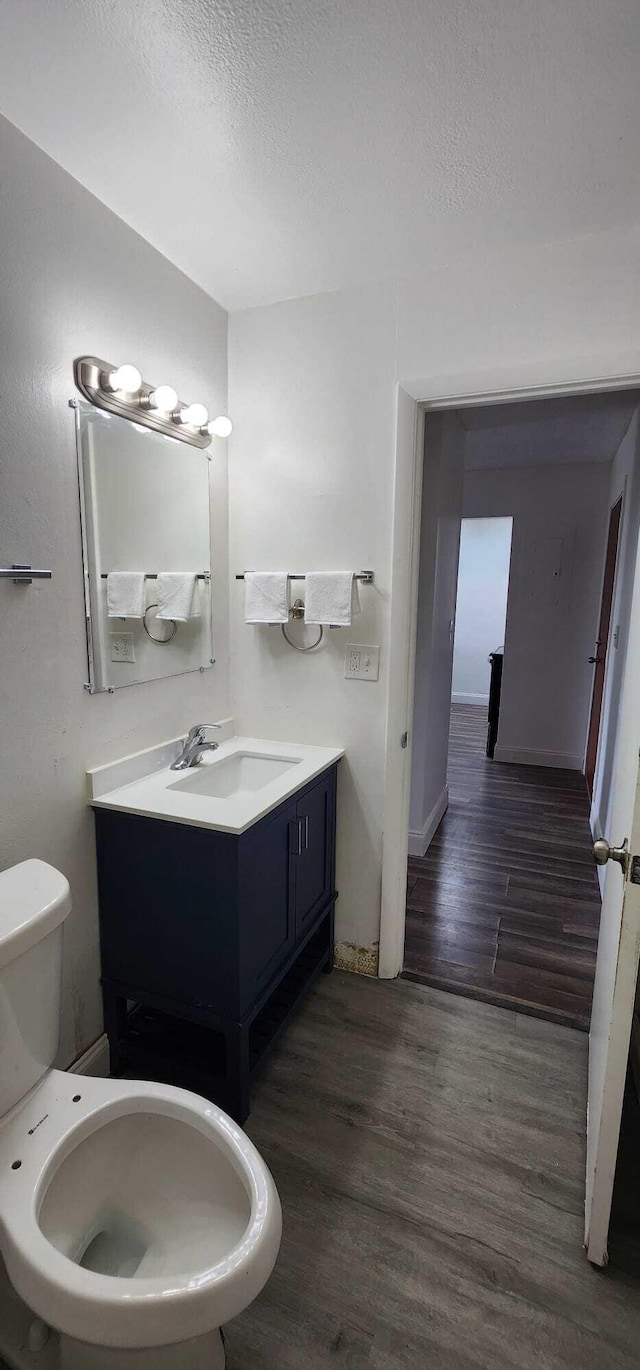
{"x": 121, "y": 390}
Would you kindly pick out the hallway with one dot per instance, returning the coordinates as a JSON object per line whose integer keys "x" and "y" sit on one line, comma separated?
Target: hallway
{"x": 505, "y": 904}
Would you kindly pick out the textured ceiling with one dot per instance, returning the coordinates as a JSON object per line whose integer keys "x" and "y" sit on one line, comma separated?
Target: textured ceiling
{"x": 274, "y": 148}
{"x": 580, "y": 428}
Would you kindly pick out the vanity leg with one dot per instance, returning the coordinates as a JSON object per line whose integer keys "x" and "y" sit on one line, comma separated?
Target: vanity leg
{"x": 115, "y": 1026}
{"x": 328, "y": 965}
{"x": 237, "y": 1061}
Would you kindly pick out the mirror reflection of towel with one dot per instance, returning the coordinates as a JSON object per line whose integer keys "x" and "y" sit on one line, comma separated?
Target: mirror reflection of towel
{"x": 125, "y": 594}
{"x": 175, "y": 591}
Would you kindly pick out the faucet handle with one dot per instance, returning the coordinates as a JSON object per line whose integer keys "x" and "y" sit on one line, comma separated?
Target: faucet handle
{"x": 200, "y": 729}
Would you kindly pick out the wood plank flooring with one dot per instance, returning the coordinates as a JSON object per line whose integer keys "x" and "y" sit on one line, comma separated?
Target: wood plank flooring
{"x": 505, "y": 905}
{"x": 429, "y": 1154}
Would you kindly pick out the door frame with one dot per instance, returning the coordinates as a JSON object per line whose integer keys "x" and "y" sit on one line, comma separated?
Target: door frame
{"x": 598, "y": 703}
{"x": 414, "y": 400}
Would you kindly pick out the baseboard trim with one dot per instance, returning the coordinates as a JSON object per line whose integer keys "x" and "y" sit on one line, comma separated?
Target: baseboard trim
{"x": 419, "y": 842}
{"x": 521, "y": 756}
{"x": 482, "y": 701}
{"x": 94, "y": 1061}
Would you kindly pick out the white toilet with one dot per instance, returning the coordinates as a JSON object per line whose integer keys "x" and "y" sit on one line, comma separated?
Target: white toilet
{"x": 135, "y": 1219}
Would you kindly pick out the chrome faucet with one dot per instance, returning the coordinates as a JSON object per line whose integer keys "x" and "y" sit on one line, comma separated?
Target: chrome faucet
{"x": 195, "y": 744}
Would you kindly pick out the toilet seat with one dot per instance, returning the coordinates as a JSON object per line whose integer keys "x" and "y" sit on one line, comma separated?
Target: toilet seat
{"x": 139, "y": 1214}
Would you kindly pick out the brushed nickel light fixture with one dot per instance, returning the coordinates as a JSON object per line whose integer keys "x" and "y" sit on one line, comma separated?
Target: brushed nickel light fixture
{"x": 121, "y": 390}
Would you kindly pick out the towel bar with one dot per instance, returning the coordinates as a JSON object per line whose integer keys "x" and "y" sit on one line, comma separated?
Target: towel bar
{"x": 366, "y": 577}
{"x": 23, "y": 575}
{"x": 153, "y": 575}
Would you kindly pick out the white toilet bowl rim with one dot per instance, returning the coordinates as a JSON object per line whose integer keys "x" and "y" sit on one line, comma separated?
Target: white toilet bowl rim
{"x": 112, "y": 1310}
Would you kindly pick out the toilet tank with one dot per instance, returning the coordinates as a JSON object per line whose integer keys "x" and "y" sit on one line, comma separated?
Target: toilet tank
{"x": 34, "y": 901}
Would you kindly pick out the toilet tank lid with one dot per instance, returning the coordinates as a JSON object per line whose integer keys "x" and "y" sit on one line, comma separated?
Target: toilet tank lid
{"x": 34, "y": 899}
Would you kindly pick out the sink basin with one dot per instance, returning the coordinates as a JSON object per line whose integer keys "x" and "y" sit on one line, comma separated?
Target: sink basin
{"x": 241, "y": 773}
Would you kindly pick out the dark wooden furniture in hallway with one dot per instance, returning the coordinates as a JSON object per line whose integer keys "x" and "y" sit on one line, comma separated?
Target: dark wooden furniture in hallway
{"x": 505, "y": 905}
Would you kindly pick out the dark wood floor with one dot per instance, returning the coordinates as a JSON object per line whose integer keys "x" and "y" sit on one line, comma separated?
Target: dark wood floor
{"x": 429, "y": 1154}
{"x": 505, "y": 905}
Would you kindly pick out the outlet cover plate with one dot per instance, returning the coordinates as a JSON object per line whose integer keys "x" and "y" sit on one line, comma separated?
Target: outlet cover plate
{"x": 361, "y": 661}
{"x": 122, "y": 648}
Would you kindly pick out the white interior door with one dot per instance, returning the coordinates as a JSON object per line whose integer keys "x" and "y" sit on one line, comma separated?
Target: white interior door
{"x": 438, "y": 580}
{"x": 618, "y": 955}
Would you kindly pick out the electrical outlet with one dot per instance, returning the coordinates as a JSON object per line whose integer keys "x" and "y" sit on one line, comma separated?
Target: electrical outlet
{"x": 361, "y": 662}
{"x": 122, "y": 647}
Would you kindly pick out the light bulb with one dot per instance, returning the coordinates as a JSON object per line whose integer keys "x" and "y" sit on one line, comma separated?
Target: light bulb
{"x": 126, "y": 378}
{"x": 194, "y": 415}
{"x": 220, "y": 427}
{"x": 164, "y": 399}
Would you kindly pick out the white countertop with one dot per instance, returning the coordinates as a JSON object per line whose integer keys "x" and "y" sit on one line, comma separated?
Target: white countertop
{"x": 144, "y": 784}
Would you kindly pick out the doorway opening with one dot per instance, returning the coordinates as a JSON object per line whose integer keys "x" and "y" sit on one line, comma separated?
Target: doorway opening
{"x": 480, "y": 617}
{"x": 523, "y": 608}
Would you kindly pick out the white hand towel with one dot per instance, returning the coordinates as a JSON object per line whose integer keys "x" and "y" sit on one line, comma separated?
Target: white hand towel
{"x": 266, "y": 597}
{"x": 175, "y": 591}
{"x": 125, "y": 594}
{"x": 331, "y": 597}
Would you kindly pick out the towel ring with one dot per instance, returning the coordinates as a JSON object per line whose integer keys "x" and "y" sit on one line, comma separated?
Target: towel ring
{"x": 311, "y": 646}
{"x": 162, "y": 641}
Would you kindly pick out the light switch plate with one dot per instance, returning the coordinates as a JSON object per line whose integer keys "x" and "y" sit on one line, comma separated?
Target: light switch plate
{"x": 122, "y": 647}
{"x": 361, "y": 662}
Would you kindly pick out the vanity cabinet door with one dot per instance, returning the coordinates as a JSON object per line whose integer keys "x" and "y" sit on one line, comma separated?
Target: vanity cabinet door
{"x": 315, "y": 812}
{"x": 266, "y": 865}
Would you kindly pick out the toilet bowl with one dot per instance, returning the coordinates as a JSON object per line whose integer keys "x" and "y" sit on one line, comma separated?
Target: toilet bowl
{"x": 135, "y": 1218}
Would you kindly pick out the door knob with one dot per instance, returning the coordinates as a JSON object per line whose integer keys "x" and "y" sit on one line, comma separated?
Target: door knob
{"x": 595, "y": 660}
{"x": 603, "y": 852}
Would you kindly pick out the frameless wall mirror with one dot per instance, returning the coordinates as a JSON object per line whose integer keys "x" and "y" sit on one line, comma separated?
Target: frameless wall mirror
{"x": 144, "y": 501}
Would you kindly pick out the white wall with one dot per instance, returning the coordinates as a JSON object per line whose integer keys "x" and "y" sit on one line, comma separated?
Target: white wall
{"x": 74, "y": 279}
{"x": 313, "y": 459}
{"x": 559, "y": 529}
{"x": 481, "y": 605}
{"x": 315, "y": 417}
{"x": 625, "y": 481}
{"x": 439, "y": 546}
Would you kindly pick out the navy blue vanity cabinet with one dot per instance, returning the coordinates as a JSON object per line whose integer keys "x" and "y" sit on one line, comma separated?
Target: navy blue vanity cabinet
{"x": 168, "y": 900}
{"x": 266, "y": 902}
{"x": 209, "y": 940}
{"x": 314, "y": 849}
